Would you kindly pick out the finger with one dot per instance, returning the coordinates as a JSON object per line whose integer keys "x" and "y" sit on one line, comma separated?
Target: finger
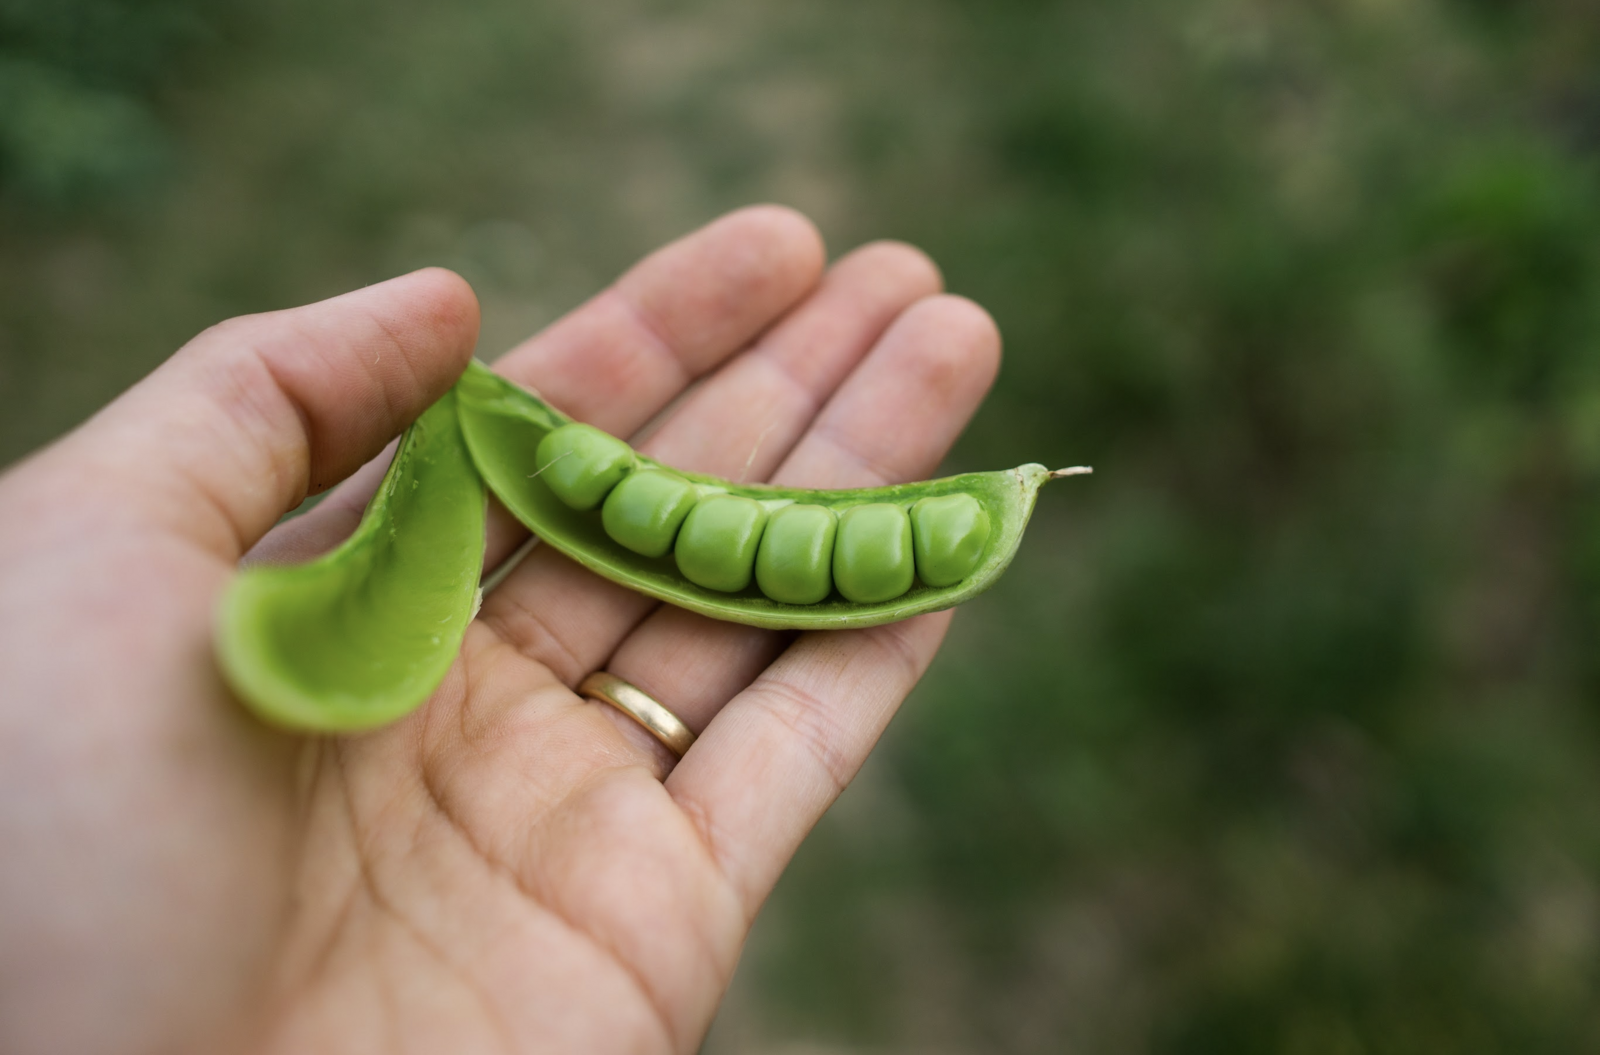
{"x": 901, "y": 413}
{"x": 747, "y": 420}
{"x": 240, "y": 424}
{"x": 328, "y": 523}
{"x": 779, "y": 752}
{"x": 686, "y": 307}
{"x": 893, "y": 421}
{"x": 618, "y": 360}
{"x": 622, "y": 356}
{"x": 740, "y": 423}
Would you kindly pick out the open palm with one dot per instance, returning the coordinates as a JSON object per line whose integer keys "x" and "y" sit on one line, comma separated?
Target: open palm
{"x": 511, "y": 868}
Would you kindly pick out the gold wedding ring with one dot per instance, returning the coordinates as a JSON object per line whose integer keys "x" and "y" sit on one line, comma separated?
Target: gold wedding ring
{"x": 641, "y": 707}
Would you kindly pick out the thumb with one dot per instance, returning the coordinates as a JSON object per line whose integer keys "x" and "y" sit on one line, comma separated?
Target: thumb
{"x": 246, "y": 419}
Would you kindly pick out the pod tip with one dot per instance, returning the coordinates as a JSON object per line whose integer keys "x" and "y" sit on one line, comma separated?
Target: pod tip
{"x": 1076, "y": 470}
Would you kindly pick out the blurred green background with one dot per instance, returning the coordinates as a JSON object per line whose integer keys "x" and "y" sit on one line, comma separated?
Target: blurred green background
{"x": 1281, "y": 736}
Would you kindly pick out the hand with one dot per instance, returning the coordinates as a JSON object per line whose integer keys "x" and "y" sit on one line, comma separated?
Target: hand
{"x": 511, "y": 868}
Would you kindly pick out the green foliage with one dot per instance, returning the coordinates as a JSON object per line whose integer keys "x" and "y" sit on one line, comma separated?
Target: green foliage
{"x": 1281, "y": 734}
{"x": 79, "y": 80}
{"x": 1315, "y": 291}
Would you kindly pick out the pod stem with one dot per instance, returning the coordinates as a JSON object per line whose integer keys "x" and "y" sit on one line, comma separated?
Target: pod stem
{"x": 1076, "y": 470}
{"x": 503, "y": 570}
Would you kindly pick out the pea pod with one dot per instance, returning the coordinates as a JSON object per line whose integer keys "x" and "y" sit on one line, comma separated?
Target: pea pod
{"x": 725, "y": 558}
{"x": 366, "y": 632}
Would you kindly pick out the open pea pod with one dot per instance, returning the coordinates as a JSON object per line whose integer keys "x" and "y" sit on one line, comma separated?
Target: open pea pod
{"x": 841, "y": 559}
{"x": 366, "y": 632}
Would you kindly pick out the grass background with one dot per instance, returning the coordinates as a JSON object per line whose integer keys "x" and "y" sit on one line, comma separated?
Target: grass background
{"x": 1282, "y": 736}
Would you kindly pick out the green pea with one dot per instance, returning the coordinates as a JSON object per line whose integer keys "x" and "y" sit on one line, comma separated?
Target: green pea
{"x": 365, "y": 633}
{"x": 949, "y": 533}
{"x": 581, "y": 464}
{"x": 795, "y": 562}
{"x": 872, "y": 559}
{"x": 717, "y": 545}
{"x": 503, "y": 424}
{"x": 644, "y": 511}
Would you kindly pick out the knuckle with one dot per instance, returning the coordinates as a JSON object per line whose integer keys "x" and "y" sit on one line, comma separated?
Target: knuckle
{"x": 814, "y": 728}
